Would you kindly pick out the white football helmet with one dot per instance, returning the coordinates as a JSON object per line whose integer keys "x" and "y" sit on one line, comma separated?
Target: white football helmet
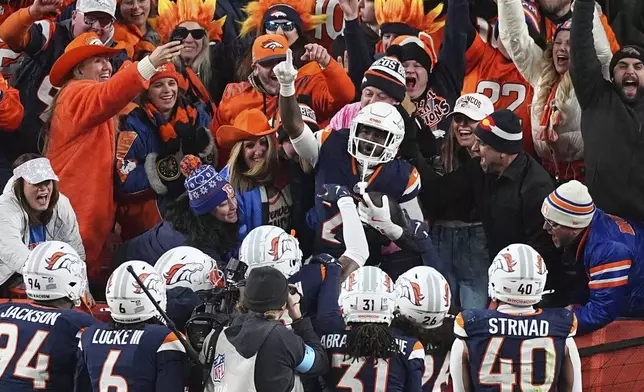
{"x": 517, "y": 276}
{"x": 423, "y": 296}
{"x": 126, "y": 299}
{"x": 382, "y": 116}
{"x": 270, "y": 246}
{"x": 368, "y": 296}
{"x": 54, "y": 270}
{"x": 185, "y": 266}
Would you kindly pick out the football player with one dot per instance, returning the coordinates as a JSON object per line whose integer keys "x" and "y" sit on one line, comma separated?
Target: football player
{"x": 423, "y": 299}
{"x": 367, "y": 164}
{"x": 136, "y": 352}
{"x": 40, "y": 339}
{"x": 273, "y": 247}
{"x": 364, "y": 352}
{"x": 516, "y": 347}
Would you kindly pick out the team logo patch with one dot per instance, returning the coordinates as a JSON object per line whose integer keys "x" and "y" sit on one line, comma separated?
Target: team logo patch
{"x": 278, "y": 14}
{"x": 278, "y": 251}
{"x": 61, "y": 260}
{"x": 93, "y": 41}
{"x": 168, "y": 168}
{"x": 218, "y": 368}
{"x": 182, "y": 273}
{"x": 272, "y": 45}
{"x": 151, "y": 282}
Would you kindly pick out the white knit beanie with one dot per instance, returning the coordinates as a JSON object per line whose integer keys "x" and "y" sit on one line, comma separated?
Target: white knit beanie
{"x": 569, "y": 205}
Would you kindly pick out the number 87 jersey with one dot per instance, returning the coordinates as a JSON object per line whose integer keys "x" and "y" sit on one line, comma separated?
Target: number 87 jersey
{"x": 515, "y": 353}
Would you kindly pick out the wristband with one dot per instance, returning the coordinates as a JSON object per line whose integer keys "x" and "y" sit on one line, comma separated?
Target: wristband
{"x": 287, "y": 90}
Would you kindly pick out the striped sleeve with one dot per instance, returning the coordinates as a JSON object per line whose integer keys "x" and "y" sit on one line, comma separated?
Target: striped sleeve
{"x": 413, "y": 185}
{"x": 613, "y": 274}
{"x": 417, "y": 352}
{"x": 171, "y": 343}
{"x": 459, "y": 326}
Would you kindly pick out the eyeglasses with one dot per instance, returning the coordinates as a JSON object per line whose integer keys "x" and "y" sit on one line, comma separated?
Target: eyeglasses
{"x": 272, "y": 25}
{"x": 181, "y": 33}
{"x": 551, "y": 224}
{"x": 104, "y": 21}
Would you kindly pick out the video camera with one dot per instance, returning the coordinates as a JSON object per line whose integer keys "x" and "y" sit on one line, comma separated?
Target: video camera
{"x": 218, "y": 304}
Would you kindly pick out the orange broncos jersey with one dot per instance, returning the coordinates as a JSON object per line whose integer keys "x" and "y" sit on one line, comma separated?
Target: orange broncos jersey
{"x": 491, "y": 74}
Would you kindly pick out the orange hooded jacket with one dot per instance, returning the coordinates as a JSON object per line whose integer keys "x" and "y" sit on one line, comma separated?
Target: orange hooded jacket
{"x": 81, "y": 148}
{"x": 11, "y": 110}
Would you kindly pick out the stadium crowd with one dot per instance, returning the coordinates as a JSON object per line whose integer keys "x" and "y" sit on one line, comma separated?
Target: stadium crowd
{"x": 317, "y": 195}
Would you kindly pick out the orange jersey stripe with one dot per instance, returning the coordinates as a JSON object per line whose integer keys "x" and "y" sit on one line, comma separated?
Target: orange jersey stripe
{"x": 607, "y": 285}
{"x": 610, "y": 265}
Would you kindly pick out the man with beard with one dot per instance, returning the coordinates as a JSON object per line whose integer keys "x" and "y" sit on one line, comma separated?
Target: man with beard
{"x": 609, "y": 249}
{"x": 612, "y": 119}
{"x": 505, "y": 185}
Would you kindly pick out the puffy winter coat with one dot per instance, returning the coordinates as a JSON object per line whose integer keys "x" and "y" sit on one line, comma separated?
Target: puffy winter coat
{"x": 14, "y": 231}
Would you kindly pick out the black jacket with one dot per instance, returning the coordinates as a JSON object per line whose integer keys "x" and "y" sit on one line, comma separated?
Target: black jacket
{"x": 612, "y": 130}
{"x": 509, "y": 205}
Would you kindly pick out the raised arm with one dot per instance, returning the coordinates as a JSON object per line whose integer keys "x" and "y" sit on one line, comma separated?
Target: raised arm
{"x": 513, "y": 32}
{"x": 301, "y": 135}
{"x": 94, "y": 103}
{"x": 587, "y": 37}
{"x": 451, "y": 58}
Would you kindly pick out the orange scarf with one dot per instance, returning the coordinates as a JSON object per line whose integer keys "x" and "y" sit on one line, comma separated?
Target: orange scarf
{"x": 184, "y": 113}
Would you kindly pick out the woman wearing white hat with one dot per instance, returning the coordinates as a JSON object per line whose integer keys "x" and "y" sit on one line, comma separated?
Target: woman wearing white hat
{"x": 32, "y": 210}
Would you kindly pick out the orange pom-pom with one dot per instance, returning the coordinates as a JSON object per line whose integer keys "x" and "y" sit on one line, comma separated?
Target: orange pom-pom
{"x": 189, "y": 164}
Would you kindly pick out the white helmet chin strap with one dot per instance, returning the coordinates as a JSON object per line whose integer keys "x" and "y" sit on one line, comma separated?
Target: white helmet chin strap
{"x": 365, "y": 167}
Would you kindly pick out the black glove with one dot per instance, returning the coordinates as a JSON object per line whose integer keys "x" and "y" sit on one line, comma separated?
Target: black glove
{"x": 332, "y": 193}
{"x": 194, "y": 139}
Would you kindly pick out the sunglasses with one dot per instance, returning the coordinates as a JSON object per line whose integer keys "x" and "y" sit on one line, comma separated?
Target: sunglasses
{"x": 272, "y": 25}
{"x": 103, "y": 21}
{"x": 181, "y": 33}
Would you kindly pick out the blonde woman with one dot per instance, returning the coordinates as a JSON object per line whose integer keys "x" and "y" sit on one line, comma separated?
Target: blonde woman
{"x": 254, "y": 170}
{"x": 190, "y": 22}
{"x": 555, "y": 112}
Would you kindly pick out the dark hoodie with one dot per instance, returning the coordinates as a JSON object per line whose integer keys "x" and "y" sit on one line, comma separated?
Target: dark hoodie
{"x": 278, "y": 350}
{"x": 611, "y": 128}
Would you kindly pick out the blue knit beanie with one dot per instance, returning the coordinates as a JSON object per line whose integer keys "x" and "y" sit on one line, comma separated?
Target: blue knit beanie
{"x": 206, "y": 188}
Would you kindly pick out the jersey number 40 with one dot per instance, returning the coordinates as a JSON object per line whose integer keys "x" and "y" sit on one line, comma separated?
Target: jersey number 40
{"x": 506, "y": 378}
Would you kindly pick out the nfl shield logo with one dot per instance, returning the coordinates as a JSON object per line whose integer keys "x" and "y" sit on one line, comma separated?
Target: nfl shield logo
{"x": 218, "y": 368}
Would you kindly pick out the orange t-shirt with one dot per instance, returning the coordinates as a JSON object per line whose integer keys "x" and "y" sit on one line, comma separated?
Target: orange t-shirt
{"x": 491, "y": 74}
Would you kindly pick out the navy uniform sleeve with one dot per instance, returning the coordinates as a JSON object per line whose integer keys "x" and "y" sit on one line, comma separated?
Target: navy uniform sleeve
{"x": 415, "y": 368}
{"x": 329, "y": 319}
{"x": 412, "y": 188}
{"x": 283, "y": 352}
{"x": 451, "y": 58}
{"x": 172, "y": 364}
{"x": 41, "y": 34}
{"x": 82, "y": 382}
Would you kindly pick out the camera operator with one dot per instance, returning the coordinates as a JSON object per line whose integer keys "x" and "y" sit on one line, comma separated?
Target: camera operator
{"x": 257, "y": 352}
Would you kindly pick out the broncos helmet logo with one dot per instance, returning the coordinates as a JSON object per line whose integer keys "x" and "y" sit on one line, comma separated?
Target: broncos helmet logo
{"x": 409, "y": 289}
{"x": 150, "y": 281}
{"x": 446, "y": 296}
{"x": 276, "y": 251}
{"x": 389, "y": 284}
{"x": 182, "y": 272}
{"x": 509, "y": 262}
{"x": 540, "y": 266}
{"x": 272, "y": 45}
{"x": 351, "y": 282}
{"x": 61, "y": 260}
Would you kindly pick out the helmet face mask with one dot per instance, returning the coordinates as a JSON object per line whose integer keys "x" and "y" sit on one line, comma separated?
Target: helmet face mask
{"x": 371, "y": 151}
{"x": 127, "y": 300}
{"x": 368, "y": 296}
{"x": 517, "y": 276}
{"x": 271, "y": 246}
{"x": 423, "y": 297}
{"x": 54, "y": 270}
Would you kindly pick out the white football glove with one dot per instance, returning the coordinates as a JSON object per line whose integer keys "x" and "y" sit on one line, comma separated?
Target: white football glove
{"x": 286, "y": 75}
{"x": 379, "y": 217}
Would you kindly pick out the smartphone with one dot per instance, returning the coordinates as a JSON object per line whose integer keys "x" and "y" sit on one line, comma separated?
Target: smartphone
{"x": 177, "y": 35}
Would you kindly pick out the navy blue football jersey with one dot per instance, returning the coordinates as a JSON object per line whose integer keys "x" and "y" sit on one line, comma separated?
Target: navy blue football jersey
{"x": 308, "y": 281}
{"x": 397, "y": 179}
{"x": 436, "y": 373}
{"x": 149, "y": 359}
{"x": 403, "y": 372}
{"x": 38, "y": 346}
{"x": 521, "y": 351}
